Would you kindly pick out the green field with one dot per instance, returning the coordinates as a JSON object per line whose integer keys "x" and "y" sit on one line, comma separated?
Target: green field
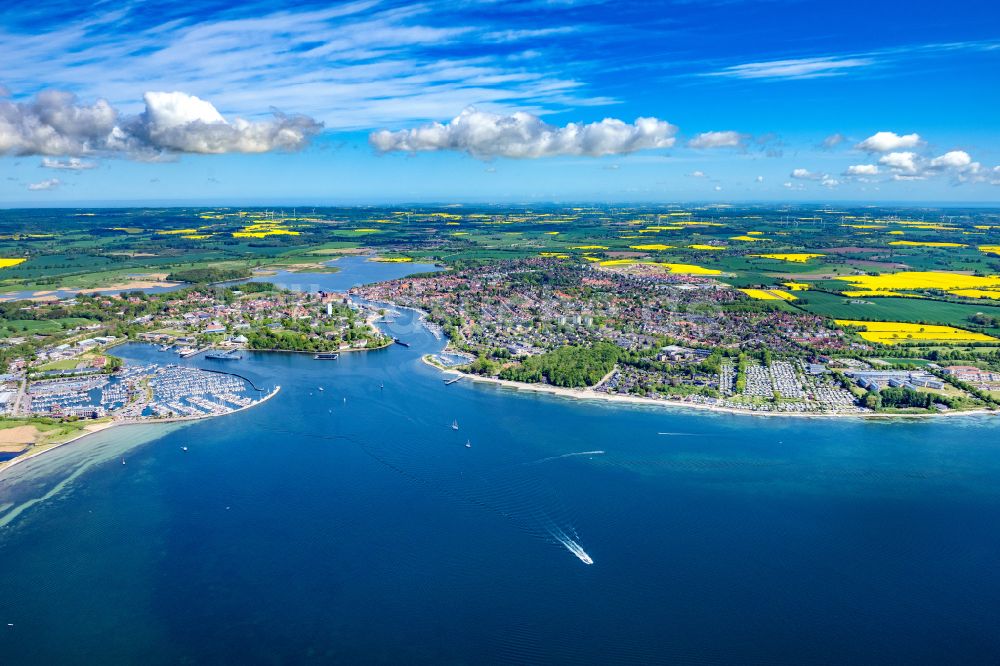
{"x": 14, "y": 327}
{"x": 916, "y": 310}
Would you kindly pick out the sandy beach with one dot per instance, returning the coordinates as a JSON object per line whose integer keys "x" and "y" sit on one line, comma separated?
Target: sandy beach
{"x": 88, "y": 430}
{"x": 590, "y": 394}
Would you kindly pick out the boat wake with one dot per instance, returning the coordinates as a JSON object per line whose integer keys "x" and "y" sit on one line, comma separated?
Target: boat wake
{"x": 571, "y": 545}
{"x": 566, "y": 455}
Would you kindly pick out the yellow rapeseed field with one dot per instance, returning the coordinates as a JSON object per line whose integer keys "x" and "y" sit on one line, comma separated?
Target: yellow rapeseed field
{"x": 683, "y": 269}
{"x": 266, "y": 233}
{"x": 894, "y": 332}
{"x": 927, "y": 244}
{"x": 698, "y": 246}
{"x": 769, "y": 294}
{"x": 797, "y": 286}
{"x": 589, "y": 247}
{"x": 907, "y": 280}
{"x": 170, "y": 232}
{"x": 990, "y": 249}
{"x": 7, "y": 263}
{"x": 796, "y": 257}
{"x": 650, "y": 246}
{"x": 747, "y": 238}
{"x": 975, "y": 293}
{"x": 392, "y": 260}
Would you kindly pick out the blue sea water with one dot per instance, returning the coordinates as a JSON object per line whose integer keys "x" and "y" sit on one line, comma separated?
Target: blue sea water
{"x": 353, "y": 525}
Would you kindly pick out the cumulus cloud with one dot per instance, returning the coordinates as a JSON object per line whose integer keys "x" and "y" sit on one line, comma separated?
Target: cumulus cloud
{"x": 726, "y": 139}
{"x": 49, "y": 184}
{"x": 905, "y": 162}
{"x": 697, "y": 174}
{"x": 759, "y": 179}
{"x": 862, "y": 170}
{"x": 827, "y": 181}
{"x": 57, "y": 123}
{"x": 522, "y": 135}
{"x": 806, "y": 174}
{"x": 885, "y": 142}
{"x": 955, "y": 159}
{"x": 72, "y": 164}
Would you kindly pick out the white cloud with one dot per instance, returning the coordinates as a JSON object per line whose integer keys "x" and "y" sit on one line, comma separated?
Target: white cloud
{"x": 72, "y": 164}
{"x": 884, "y": 142}
{"x": 829, "y": 182}
{"x": 56, "y": 123}
{"x": 726, "y": 139}
{"x": 955, "y": 159}
{"x": 995, "y": 176}
{"x": 49, "y": 184}
{"x": 800, "y": 68}
{"x": 718, "y": 188}
{"x": 183, "y": 123}
{"x": 697, "y": 174}
{"x": 862, "y": 170}
{"x": 903, "y": 161}
{"x": 759, "y": 179}
{"x": 353, "y": 65}
{"x": 806, "y": 174}
{"x": 522, "y": 135}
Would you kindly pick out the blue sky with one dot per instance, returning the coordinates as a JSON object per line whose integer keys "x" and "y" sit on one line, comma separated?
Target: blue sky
{"x": 553, "y": 100}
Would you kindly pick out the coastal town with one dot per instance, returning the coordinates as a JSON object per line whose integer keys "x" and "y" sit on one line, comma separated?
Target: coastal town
{"x": 74, "y": 375}
{"x": 638, "y": 333}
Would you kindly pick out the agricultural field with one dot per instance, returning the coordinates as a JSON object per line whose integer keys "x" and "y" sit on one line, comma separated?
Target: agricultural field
{"x": 931, "y": 266}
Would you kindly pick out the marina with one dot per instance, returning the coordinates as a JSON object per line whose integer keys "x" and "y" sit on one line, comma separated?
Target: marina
{"x": 232, "y": 355}
{"x": 140, "y": 392}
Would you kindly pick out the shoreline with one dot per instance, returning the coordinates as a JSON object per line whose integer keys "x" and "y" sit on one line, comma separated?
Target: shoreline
{"x": 20, "y": 459}
{"x": 590, "y": 394}
{"x": 115, "y": 423}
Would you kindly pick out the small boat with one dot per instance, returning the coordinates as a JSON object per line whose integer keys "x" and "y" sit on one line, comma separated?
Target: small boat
{"x": 400, "y": 342}
{"x": 184, "y": 448}
{"x": 468, "y": 444}
{"x": 224, "y": 356}
{"x": 123, "y": 461}
{"x": 326, "y": 356}
{"x": 320, "y": 388}
{"x": 454, "y": 425}
{"x": 381, "y": 386}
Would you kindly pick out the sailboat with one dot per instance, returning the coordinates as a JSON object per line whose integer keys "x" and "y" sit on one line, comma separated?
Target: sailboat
{"x": 454, "y": 425}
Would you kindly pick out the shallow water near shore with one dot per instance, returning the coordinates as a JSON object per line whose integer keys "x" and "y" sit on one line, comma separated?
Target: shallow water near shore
{"x": 353, "y": 524}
